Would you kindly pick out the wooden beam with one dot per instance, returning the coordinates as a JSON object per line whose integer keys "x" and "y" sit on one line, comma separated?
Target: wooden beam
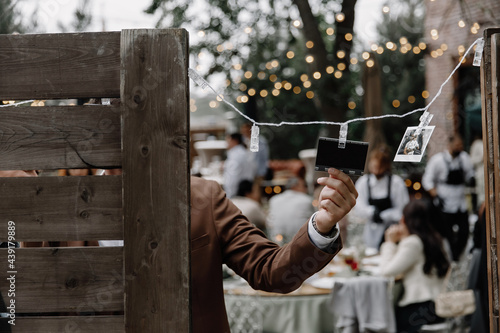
{"x": 80, "y": 324}
{"x": 155, "y": 97}
{"x": 491, "y": 172}
{"x": 62, "y": 208}
{"x": 495, "y": 81}
{"x": 52, "y": 66}
{"x": 60, "y": 137}
{"x": 72, "y": 279}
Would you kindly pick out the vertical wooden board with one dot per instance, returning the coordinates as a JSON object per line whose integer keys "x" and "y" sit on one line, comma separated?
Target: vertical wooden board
{"x": 59, "y": 65}
{"x": 155, "y": 134}
{"x": 490, "y": 135}
{"x": 495, "y": 81}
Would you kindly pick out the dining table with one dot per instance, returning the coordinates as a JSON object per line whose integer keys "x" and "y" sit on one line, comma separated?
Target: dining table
{"x": 307, "y": 309}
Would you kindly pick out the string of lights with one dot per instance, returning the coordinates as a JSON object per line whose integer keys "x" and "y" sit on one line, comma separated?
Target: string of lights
{"x": 204, "y": 84}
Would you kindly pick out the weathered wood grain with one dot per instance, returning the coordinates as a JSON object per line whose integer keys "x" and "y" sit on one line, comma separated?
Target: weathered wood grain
{"x": 489, "y": 92}
{"x": 80, "y": 324}
{"x": 60, "y": 137}
{"x": 495, "y": 81}
{"x": 52, "y": 66}
{"x": 73, "y": 279}
{"x": 155, "y": 93}
{"x": 62, "y": 208}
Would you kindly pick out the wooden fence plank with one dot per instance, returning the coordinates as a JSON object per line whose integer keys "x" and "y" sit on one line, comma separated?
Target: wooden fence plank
{"x": 73, "y": 279}
{"x": 60, "y": 137}
{"x": 62, "y": 208}
{"x": 495, "y": 81}
{"x": 80, "y": 324}
{"x": 491, "y": 153}
{"x": 51, "y": 66}
{"x": 155, "y": 94}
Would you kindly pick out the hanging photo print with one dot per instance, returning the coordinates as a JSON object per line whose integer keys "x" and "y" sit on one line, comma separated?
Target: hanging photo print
{"x": 412, "y": 147}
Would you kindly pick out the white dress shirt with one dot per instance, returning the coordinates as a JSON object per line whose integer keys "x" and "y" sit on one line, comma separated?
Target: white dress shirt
{"x": 399, "y": 196}
{"x": 436, "y": 173}
{"x": 239, "y": 165}
{"x": 373, "y": 232}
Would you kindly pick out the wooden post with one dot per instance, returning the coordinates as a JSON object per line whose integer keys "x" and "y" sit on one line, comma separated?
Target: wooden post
{"x": 490, "y": 76}
{"x": 156, "y": 183}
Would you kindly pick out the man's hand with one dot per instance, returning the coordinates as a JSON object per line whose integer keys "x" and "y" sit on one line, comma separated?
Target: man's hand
{"x": 336, "y": 199}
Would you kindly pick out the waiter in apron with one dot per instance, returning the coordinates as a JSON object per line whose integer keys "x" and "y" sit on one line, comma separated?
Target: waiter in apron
{"x": 382, "y": 197}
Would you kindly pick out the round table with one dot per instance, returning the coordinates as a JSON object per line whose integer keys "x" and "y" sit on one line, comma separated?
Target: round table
{"x": 304, "y": 310}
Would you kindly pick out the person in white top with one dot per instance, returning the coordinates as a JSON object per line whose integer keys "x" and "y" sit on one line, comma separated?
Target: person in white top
{"x": 445, "y": 178}
{"x": 414, "y": 251}
{"x": 382, "y": 197}
{"x": 476, "y": 157}
{"x": 288, "y": 209}
{"x": 239, "y": 164}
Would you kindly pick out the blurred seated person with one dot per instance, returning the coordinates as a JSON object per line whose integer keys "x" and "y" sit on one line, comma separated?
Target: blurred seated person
{"x": 382, "y": 196}
{"x": 249, "y": 206}
{"x": 288, "y": 210}
{"x": 414, "y": 251}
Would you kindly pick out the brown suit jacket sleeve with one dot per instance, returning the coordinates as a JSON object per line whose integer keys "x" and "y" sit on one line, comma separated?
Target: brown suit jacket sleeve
{"x": 264, "y": 264}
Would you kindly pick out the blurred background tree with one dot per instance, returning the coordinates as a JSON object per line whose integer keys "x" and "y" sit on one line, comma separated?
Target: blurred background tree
{"x": 400, "y": 53}
{"x": 82, "y": 19}
{"x": 282, "y": 60}
{"x": 10, "y": 18}
{"x": 402, "y": 66}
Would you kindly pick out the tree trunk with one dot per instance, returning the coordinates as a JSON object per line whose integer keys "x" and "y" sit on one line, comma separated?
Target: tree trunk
{"x": 373, "y": 105}
{"x": 328, "y": 96}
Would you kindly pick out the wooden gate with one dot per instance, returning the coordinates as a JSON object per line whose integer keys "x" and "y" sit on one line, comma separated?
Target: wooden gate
{"x": 143, "y": 286}
{"x": 490, "y": 81}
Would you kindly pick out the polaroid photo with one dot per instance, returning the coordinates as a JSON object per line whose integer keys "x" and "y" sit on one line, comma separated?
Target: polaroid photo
{"x": 413, "y": 145}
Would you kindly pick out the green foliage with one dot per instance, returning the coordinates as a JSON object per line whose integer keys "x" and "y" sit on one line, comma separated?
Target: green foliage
{"x": 82, "y": 19}
{"x": 239, "y": 36}
{"x": 403, "y": 74}
{"x": 10, "y": 18}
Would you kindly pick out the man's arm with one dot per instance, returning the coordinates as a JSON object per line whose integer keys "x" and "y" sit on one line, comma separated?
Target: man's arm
{"x": 262, "y": 262}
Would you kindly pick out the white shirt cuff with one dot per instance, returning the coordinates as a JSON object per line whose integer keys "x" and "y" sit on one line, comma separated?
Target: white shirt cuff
{"x": 320, "y": 241}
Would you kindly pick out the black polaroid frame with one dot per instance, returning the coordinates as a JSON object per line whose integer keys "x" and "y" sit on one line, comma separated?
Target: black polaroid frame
{"x": 351, "y": 159}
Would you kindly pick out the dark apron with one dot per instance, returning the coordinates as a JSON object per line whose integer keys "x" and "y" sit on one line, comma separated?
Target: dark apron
{"x": 381, "y": 204}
